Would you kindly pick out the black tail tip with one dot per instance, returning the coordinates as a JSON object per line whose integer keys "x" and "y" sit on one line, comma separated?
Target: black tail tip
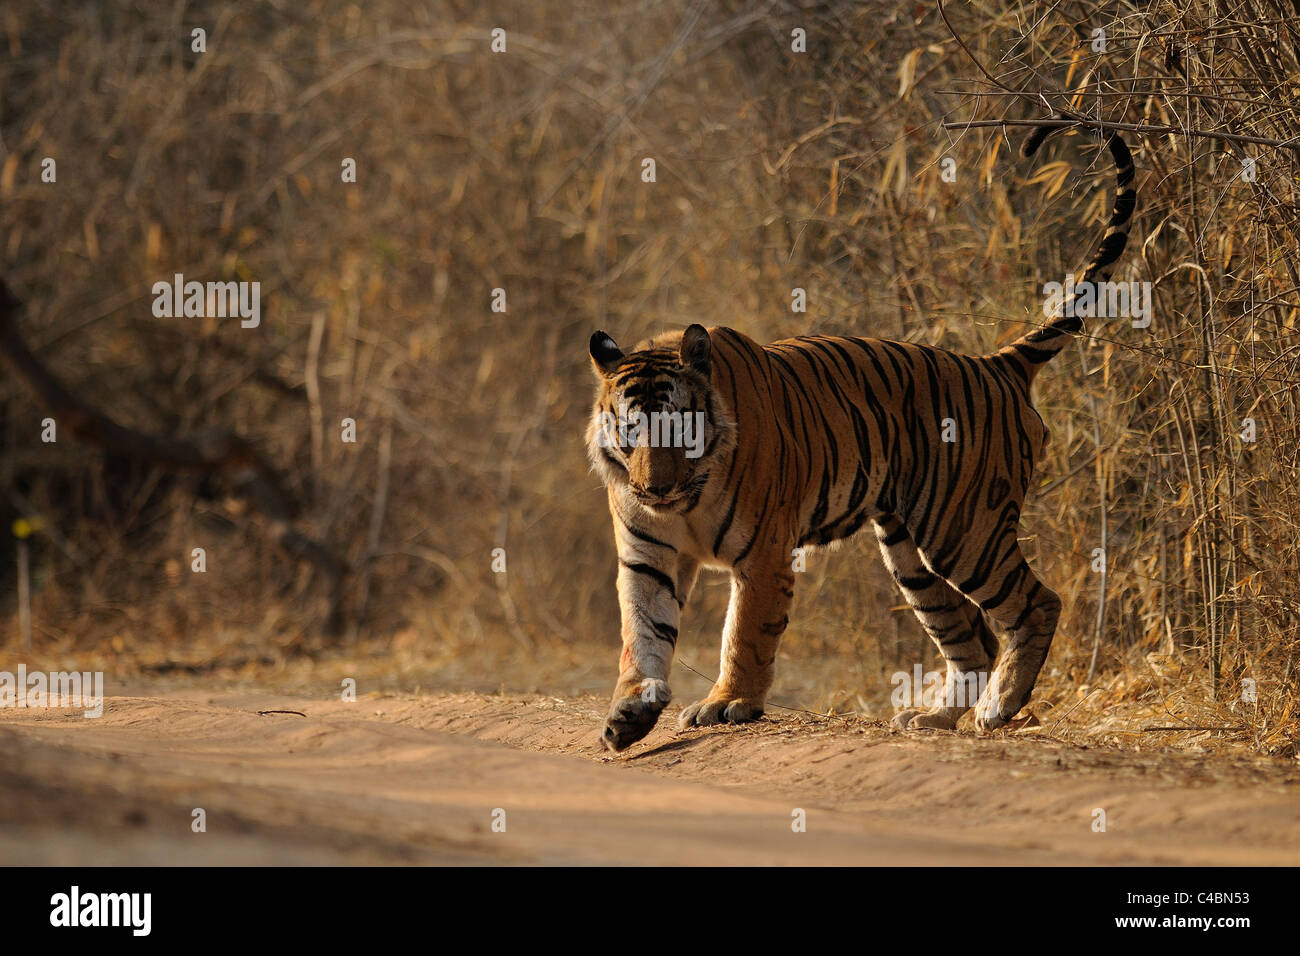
{"x": 1035, "y": 139}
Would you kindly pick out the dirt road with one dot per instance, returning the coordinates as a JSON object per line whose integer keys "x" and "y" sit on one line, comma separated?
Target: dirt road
{"x": 417, "y": 780}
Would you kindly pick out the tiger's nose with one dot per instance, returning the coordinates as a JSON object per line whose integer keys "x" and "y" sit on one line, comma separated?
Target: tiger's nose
{"x": 658, "y": 491}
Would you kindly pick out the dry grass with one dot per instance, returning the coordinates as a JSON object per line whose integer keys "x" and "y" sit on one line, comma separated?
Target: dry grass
{"x": 522, "y": 171}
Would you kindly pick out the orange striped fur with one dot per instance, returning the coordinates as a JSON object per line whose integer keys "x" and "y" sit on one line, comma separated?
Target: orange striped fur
{"x": 810, "y": 440}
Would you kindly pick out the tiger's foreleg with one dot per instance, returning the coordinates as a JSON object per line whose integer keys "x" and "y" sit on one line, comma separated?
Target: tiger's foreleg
{"x": 756, "y": 618}
{"x": 653, "y": 585}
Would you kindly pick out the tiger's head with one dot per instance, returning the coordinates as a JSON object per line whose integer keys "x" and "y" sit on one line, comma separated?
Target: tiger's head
{"x": 659, "y": 425}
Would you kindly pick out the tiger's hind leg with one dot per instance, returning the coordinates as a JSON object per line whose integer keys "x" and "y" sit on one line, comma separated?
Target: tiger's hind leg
{"x": 1004, "y": 585}
{"x": 955, "y": 625}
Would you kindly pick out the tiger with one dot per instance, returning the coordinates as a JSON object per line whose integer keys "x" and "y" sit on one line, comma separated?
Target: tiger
{"x": 805, "y": 442}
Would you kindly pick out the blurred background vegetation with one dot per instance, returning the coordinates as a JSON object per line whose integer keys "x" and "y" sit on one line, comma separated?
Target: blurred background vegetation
{"x": 521, "y": 170}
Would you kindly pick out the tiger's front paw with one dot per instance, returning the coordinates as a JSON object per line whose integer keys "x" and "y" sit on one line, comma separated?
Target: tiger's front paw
{"x": 938, "y": 718}
{"x": 632, "y": 717}
{"x": 705, "y": 713}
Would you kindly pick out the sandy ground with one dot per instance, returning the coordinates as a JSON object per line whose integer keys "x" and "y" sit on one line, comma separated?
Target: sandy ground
{"x": 392, "y": 779}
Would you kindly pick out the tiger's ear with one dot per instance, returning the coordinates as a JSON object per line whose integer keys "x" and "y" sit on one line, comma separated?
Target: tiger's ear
{"x": 605, "y": 353}
{"x": 697, "y": 351}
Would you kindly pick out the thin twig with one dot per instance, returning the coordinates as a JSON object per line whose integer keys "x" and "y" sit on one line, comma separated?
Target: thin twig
{"x": 1148, "y": 730}
{"x": 1144, "y": 129}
